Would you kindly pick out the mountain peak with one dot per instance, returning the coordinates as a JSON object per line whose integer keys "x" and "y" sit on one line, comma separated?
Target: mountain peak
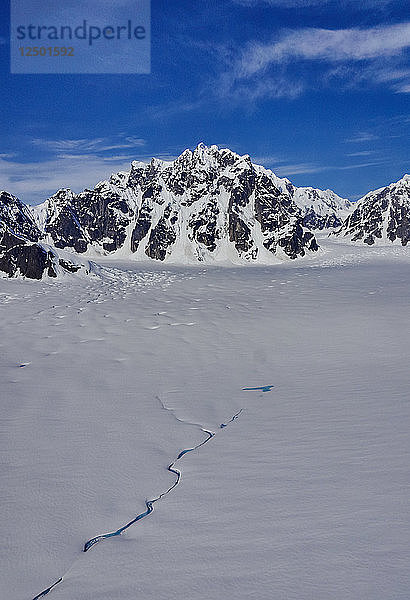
{"x": 17, "y": 217}
{"x": 381, "y": 216}
{"x": 208, "y": 204}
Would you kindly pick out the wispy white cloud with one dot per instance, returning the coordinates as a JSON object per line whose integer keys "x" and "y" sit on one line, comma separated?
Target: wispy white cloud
{"x": 297, "y": 169}
{"x": 393, "y": 74}
{"x": 327, "y": 45}
{"x": 72, "y": 162}
{"x": 266, "y": 160}
{"x": 362, "y": 136}
{"x": 33, "y": 182}
{"x": 276, "y": 87}
{"x": 358, "y": 165}
{"x": 97, "y": 145}
{"x": 280, "y": 3}
{"x": 297, "y": 4}
{"x": 344, "y": 57}
{"x": 362, "y": 153}
{"x": 379, "y": 72}
{"x": 403, "y": 88}
{"x": 284, "y": 168}
{"x": 175, "y": 107}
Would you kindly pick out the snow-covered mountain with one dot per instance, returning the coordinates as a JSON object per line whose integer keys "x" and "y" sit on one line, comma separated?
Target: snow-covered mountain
{"x": 321, "y": 209}
{"x": 18, "y": 218}
{"x": 209, "y": 204}
{"x": 21, "y": 251}
{"x": 381, "y": 216}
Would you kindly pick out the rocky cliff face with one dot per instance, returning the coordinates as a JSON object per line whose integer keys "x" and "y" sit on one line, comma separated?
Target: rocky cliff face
{"x": 21, "y": 257}
{"x": 207, "y": 205}
{"x": 381, "y": 216}
{"x": 18, "y": 218}
{"x": 21, "y": 252}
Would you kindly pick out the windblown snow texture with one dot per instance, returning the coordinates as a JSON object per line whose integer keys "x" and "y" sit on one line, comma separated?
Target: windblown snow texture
{"x": 306, "y": 497}
{"x": 150, "y": 503}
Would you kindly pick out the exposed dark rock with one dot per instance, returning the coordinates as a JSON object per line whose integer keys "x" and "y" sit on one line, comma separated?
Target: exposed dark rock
{"x": 17, "y": 217}
{"x": 98, "y": 217}
{"x": 65, "y": 231}
{"x": 383, "y": 215}
{"x": 161, "y": 238}
{"x": 240, "y": 234}
{"x": 69, "y": 266}
{"x": 314, "y": 221}
{"x": 203, "y": 226}
{"x": 142, "y": 225}
{"x": 22, "y": 257}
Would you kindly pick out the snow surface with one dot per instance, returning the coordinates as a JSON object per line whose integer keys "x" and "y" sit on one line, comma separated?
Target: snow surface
{"x": 303, "y": 496}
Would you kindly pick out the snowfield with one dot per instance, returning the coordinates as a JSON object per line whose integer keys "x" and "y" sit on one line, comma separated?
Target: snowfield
{"x": 107, "y": 378}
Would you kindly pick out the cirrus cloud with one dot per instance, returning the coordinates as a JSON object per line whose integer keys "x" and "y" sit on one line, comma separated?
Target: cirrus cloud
{"x": 327, "y": 45}
{"x": 311, "y": 57}
{"x": 297, "y": 4}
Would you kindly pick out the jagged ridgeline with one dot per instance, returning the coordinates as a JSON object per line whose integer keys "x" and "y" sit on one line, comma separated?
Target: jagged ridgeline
{"x": 21, "y": 251}
{"x": 381, "y": 216}
{"x": 209, "y": 204}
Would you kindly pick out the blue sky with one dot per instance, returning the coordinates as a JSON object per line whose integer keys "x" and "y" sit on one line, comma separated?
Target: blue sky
{"x": 316, "y": 90}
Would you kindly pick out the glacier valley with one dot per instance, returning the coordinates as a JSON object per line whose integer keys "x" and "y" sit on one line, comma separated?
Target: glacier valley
{"x": 303, "y": 495}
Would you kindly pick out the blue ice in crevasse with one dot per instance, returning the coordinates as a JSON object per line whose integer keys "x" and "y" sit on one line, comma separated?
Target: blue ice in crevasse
{"x": 236, "y": 415}
{"x": 148, "y": 503}
{"x": 45, "y": 592}
{"x": 263, "y": 388}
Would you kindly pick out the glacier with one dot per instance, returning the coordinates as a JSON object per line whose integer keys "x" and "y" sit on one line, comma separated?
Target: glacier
{"x": 304, "y": 495}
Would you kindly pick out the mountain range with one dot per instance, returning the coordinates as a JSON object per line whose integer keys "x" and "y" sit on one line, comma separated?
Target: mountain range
{"x": 208, "y": 205}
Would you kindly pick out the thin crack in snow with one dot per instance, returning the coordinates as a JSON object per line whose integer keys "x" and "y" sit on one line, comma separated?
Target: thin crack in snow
{"x": 149, "y": 503}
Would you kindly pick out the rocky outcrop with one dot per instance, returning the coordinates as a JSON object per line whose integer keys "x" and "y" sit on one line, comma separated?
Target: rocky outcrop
{"x": 21, "y": 252}
{"x": 21, "y": 257}
{"x": 18, "y": 218}
{"x": 98, "y": 217}
{"x": 381, "y": 216}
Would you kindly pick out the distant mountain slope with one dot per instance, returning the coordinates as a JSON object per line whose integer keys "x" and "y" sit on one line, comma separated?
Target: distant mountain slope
{"x": 322, "y": 209}
{"x": 209, "y": 204}
{"x": 381, "y": 216}
{"x": 21, "y": 252}
{"x": 18, "y": 218}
